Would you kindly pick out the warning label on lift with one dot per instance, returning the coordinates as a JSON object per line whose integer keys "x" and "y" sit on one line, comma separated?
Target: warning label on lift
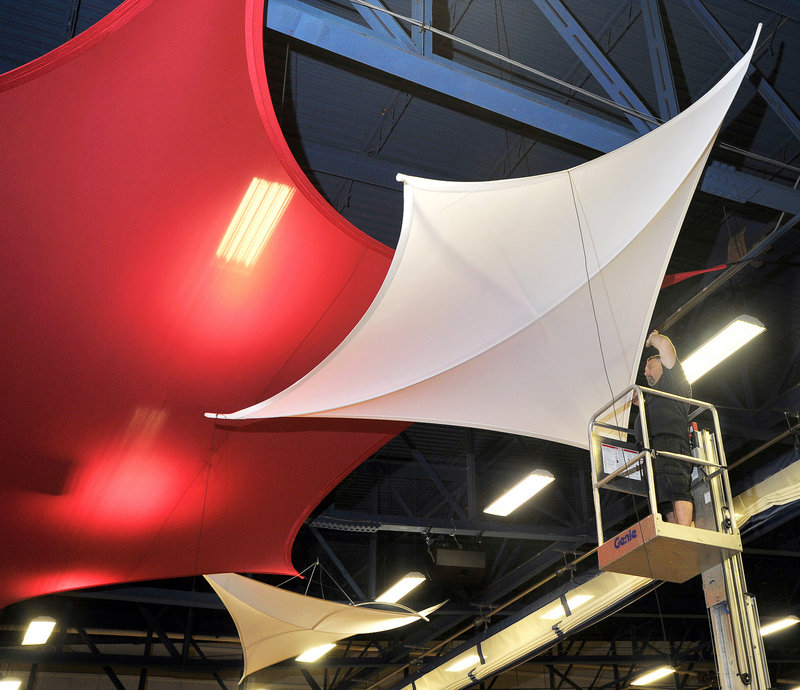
{"x": 615, "y": 457}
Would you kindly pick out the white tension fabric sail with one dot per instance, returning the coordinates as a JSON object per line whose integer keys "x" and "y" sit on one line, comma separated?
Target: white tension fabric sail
{"x": 275, "y": 624}
{"x": 519, "y": 305}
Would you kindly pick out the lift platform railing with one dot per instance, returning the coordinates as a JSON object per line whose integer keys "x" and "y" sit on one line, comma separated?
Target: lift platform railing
{"x": 643, "y": 459}
{"x": 665, "y": 551}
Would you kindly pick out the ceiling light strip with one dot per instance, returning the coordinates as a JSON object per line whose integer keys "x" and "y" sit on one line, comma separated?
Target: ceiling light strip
{"x": 722, "y": 345}
{"x": 520, "y": 493}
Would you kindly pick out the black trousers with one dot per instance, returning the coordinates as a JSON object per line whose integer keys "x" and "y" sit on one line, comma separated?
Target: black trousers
{"x": 672, "y": 477}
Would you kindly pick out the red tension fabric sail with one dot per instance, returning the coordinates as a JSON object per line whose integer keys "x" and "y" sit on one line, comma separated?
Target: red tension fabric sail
{"x": 127, "y": 154}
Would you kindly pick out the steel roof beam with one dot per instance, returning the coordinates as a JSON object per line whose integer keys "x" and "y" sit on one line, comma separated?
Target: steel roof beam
{"x": 393, "y": 490}
{"x": 325, "y": 30}
{"x": 431, "y": 472}
{"x": 310, "y": 679}
{"x": 355, "y": 521}
{"x": 157, "y": 628}
{"x": 523, "y": 574}
{"x": 518, "y": 150}
{"x": 659, "y": 59}
{"x": 385, "y": 25}
{"x": 112, "y": 676}
{"x": 595, "y": 60}
{"x": 472, "y": 477}
{"x": 330, "y": 32}
{"x": 338, "y": 563}
{"x": 209, "y": 665}
{"x": 148, "y": 646}
{"x": 152, "y": 595}
{"x": 768, "y": 93}
{"x": 563, "y": 677}
{"x": 721, "y": 179}
{"x": 422, "y": 11}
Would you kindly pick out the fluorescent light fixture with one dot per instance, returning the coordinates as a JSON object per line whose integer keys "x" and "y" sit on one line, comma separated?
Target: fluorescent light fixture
{"x": 737, "y": 333}
{"x": 402, "y": 587}
{"x": 38, "y": 631}
{"x": 520, "y": 492}
{"x": 655, "y": 674}
{"x": 573, "y": 602}
{"x": 779, "y": 625}
{"x": 315, "y": 653}
{"x": 464, "y": 663}
{"x": 10, "y": 684}
{"x": 262, "y": 207}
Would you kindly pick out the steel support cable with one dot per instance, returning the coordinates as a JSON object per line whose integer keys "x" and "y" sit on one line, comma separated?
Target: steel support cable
{"x": 491, "y": 613}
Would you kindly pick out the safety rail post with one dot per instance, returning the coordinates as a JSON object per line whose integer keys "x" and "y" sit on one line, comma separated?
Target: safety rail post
{"x": 700, "y": 407}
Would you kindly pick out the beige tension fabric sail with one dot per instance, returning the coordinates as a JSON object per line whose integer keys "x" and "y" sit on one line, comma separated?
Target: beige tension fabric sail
{"x": 274, "y": 624}
{"x": 507, "y": 300}
{"x": 781, "y": 488}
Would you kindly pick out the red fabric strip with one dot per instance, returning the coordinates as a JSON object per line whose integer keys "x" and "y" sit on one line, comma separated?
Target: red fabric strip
{"x": 678, "y": 277}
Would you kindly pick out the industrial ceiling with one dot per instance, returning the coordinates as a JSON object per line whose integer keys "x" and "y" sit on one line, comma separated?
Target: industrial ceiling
{"x": 482, "y": 90}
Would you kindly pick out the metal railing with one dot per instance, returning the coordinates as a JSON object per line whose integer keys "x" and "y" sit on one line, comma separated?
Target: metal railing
{"x": 696, "y": 409}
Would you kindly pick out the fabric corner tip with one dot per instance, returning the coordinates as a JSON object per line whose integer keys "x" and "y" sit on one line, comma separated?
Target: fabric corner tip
{"x": 215, "y": 415}
{"x": 759, "y": 27}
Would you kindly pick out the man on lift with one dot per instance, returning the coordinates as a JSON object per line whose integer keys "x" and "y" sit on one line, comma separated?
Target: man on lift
{"x": 667, "y": 424}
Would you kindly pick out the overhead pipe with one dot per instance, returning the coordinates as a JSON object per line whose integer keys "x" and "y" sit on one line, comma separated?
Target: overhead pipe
{"x": 724, "y": 277}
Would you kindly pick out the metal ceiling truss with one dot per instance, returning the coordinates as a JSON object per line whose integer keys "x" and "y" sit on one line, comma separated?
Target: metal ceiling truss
{"x": 764, "y": 88}
{"x": 667, "y": 98}
{"x": 597, "y": 62}
{"x": 380, "y": 49}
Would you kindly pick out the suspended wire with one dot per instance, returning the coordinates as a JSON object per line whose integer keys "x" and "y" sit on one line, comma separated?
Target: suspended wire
{"x": 283, "y": 86}
{"x": 300, "y": 574}
{"x": 190, "y": 612}
{"x": 490, "y": 53}
{"x": 611, "y": 391}
{"x": 313, "y": 567}
{"x": 591, "y": 293}
{"x": 647, "y": 117}
{"x": 336, "y": 582}
{"x": 311, "y": 577}
{"x": 655, "y": 592}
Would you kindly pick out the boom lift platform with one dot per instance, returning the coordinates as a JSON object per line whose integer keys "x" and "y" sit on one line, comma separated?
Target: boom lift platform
{"x": 654, "y": 548}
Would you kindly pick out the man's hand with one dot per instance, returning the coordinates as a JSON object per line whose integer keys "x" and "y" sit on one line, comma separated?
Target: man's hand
{"x": 665, "y": 348}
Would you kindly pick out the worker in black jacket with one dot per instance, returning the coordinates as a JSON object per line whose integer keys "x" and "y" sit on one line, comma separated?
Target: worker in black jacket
{"x": 667, "y": 426}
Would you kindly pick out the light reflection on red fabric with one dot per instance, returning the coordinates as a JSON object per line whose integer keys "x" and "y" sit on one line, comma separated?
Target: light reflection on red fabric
{"x": 130, "y": 493}
{"x": 126, "y": 154}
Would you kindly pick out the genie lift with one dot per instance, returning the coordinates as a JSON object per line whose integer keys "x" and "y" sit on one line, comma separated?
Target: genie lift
{"x": 661, "y": 550}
